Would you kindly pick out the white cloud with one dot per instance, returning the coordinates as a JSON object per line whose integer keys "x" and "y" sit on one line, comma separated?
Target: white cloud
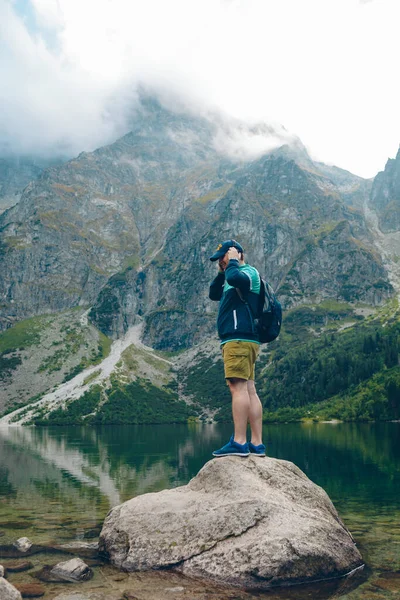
{"x": 325, "y": 70}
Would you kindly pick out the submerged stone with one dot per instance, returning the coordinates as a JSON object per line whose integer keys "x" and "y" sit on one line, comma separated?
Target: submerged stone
{"x": 72, "y": 570}
{"x": 11, "y": 551}
{"x": 16, "y": 525}
{"x": 255, "y": 522}
{"x": 44, "y": 574}
{"x": 19, "y": 566}
{"x": 23, "y": 544}
{"x": 86, "y": 549}
{"x": 30, "y": 590}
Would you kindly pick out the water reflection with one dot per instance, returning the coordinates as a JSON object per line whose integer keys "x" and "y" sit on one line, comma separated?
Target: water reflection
{"x": 115, "y": 463}
{"x": 57, "y": 484}
{"x": 112, "y": 463}
{"x": 350, "y": 460}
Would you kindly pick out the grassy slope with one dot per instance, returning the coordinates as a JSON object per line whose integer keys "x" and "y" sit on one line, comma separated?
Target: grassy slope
{"x": 136, "y": 402}
{"x": 39, "y": 353}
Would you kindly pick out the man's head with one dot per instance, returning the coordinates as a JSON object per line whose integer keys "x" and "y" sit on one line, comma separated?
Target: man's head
{"x": 221, "y": 254}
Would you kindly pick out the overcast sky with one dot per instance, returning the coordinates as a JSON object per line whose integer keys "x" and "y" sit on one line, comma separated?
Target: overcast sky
{"x": 327, "y": 70}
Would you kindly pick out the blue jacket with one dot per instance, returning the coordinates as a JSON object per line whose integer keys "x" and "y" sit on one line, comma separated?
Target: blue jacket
{"x": 235, "y": 319}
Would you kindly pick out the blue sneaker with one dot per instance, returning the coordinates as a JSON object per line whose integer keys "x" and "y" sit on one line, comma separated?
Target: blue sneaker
{"x": 232, "y": 448}
{"x": 257, "y": 450}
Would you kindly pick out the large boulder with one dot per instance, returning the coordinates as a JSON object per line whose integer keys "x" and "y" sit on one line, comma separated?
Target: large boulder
{"x": 254, "y": 522}
{"x": 8, "y": 591}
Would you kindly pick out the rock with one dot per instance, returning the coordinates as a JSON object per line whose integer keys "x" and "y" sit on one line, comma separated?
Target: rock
{"x": 86, "y": 549}
{"x": 72, "y": 570}
{"x": 385, "y": 195}
{"x": 23, "y": 544}
{"x": 1, "y": 571}
{"x": 19, "y": 566}
{"x": 12, "y": 551}
{"x": 254, "y": 523}
{"x": 45, "y": 574}
{"x": 174, "y": 590}
{"x": 30, "y": 590}
{"x": 8, "y": 591}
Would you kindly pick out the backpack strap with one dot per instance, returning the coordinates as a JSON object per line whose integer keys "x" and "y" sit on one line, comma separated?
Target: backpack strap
{"x": 261, "y": 298}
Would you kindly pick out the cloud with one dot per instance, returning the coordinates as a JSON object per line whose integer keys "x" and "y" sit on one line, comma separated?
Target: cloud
{"x": 245, "y": 141}
{"x": 49, "y": 104}
{"x": 325, "y": 70}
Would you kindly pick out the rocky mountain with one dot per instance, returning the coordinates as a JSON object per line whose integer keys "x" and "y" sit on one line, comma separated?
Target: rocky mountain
{"x": 128, "y": 229}
{"x": 15, "y": 174}
{"x": 296, "y": 230}
{"x": 385, "y": 195}
{"x": 84, "y": 221}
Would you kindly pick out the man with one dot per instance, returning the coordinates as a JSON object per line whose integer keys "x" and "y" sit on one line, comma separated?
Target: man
{"x": 237, "y": 287}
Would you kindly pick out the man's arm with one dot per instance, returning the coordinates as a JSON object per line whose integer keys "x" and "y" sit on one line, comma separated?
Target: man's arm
{"x": 217, "y": 287}
{"x": 236, "y": 278}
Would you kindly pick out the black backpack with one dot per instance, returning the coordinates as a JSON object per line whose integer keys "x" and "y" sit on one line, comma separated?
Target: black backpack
{"x": 269, "y": 313}
{"x": 269, "y": 320}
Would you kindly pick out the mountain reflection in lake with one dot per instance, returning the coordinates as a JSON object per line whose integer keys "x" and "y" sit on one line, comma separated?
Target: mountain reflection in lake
{"x": 57, "y": 484}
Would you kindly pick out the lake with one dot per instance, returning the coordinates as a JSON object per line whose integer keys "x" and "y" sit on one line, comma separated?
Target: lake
{"x": 57, "y": 485}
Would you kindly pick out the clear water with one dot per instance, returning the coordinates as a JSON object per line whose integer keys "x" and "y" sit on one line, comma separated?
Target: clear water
{"x": 57, "y": 484}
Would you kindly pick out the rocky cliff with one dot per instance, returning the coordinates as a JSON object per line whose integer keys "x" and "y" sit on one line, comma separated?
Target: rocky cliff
{"x": 296, "y": 229}
{"x": 385, "y": 195}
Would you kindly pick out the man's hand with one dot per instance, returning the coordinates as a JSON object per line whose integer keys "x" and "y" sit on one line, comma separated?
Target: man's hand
{"x": 233, "y": 254}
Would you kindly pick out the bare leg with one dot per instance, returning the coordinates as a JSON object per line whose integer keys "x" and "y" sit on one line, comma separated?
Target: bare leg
{"x": 255, "y": 413}
{"x": 240, "y": 408}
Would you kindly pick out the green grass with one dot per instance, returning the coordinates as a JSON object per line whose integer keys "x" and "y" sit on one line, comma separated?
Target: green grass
{"x": 7, "y": 365}
{"x": 103, "y": 347}
{"x": 22, "y": 334}
{"x": 92, "y": 376}
{"x": 71, "y": 344}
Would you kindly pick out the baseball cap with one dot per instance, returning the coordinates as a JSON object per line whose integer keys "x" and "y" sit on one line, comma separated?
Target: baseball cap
{"x": 224, "y": 247}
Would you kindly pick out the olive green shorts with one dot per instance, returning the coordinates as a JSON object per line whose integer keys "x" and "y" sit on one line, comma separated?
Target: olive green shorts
{"x": 239, "y": 359}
